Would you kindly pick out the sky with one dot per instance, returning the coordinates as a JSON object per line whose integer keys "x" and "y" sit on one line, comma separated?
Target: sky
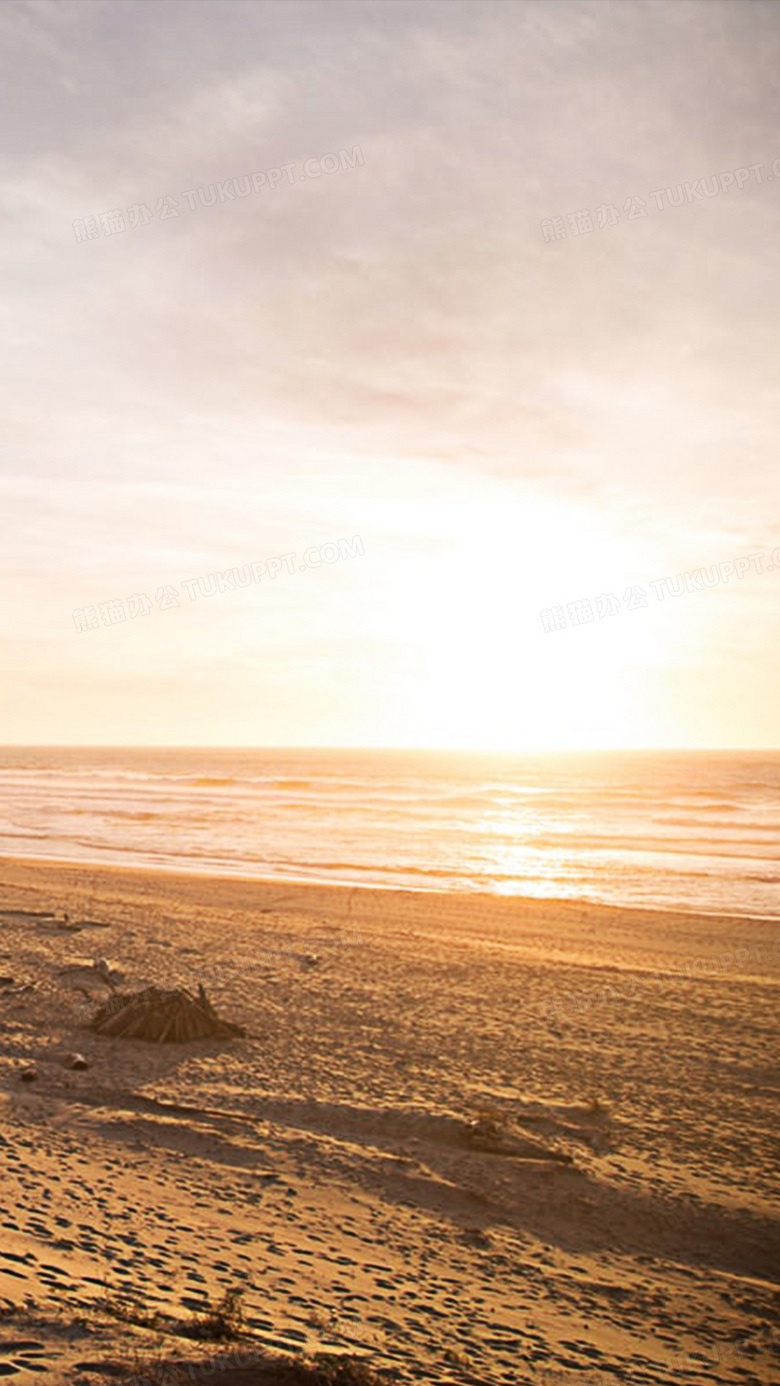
{"x": 390, "y": 374}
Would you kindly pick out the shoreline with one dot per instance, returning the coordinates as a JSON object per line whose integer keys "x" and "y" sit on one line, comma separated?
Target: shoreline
{"x": 450, "y": 892}
{"x": 577, "y": 933}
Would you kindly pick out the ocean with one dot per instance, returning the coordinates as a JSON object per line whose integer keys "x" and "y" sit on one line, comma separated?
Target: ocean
{"x": 696, "y": 831}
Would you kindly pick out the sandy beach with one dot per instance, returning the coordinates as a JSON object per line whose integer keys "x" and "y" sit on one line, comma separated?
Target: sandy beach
{"x": 471, "y": 1139}
{"x": 390, "y": 697}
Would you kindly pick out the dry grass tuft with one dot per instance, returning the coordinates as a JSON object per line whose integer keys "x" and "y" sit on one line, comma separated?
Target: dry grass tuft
{"x": 220, "y": 1322}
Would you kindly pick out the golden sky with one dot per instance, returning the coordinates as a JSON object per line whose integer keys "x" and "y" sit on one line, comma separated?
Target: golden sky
{"x": 485, "y": 293}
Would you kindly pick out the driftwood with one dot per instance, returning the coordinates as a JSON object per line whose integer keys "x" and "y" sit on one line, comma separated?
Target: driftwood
{"x": 163, "y": 1017}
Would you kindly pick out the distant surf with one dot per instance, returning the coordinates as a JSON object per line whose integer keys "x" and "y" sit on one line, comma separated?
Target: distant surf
{"x": 685, "y": 830}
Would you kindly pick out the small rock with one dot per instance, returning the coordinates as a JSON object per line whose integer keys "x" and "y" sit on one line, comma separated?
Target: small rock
{"x": 28, "y": 1075}
{"x": 474, "y": 1236}
{"x": 310, "y": 960}
{"x": 482, "y": 1129}
{"x": 76, "y": 1061}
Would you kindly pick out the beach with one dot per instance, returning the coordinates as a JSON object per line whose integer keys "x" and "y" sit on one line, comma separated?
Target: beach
{"x": 390, "y": 698}
{"x": 470, "y": 1138}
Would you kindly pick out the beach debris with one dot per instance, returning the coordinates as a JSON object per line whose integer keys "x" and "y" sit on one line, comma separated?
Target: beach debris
{"x": 26, "y": 914}
{"x": 29, "y": 1075}
{"x": 10, "y": 987}
{"x": 162, "y": 1017}
{"x": 487, "y": 1135}
{"x": 65, "y": 924}
{"x": 92, "y": 970}
{"x": 310, "y": 960}
{"x": 43, "y": 920}
{"x": 109, "y": 975}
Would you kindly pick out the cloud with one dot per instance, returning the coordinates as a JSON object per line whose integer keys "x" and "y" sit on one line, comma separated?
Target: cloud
{"x": 278, "y": 367}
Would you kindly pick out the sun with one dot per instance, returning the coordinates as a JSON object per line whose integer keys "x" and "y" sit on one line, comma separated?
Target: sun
{"x": 487, "y": 675}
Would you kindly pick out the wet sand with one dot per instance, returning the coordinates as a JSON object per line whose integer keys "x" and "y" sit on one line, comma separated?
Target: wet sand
{"x": 611, "y": 1217}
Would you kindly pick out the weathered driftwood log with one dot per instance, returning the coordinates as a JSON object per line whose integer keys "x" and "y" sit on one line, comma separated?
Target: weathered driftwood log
{"x": 163, "y": 1017}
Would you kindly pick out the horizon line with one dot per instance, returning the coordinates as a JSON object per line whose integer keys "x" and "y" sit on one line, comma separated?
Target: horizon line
{"x": 374, "y": 750}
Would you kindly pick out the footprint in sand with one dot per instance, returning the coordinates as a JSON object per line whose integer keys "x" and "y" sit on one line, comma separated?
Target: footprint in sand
{"x": 23, "y": 1355}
